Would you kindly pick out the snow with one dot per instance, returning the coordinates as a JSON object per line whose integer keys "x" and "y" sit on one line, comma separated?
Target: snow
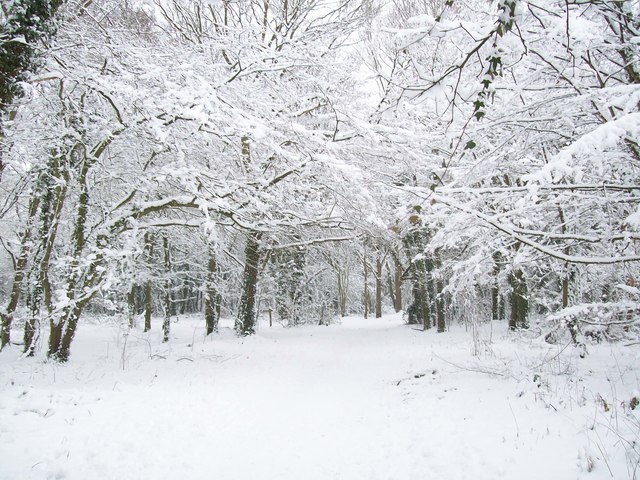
{"x": 365, "y": 399}
{"x": 597, "y": 140}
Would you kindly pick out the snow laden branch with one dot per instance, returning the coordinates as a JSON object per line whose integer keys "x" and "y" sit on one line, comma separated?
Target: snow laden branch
{"x": 495, "y": 222}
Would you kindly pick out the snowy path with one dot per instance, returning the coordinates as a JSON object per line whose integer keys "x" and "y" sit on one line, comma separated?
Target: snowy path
{"x": 359, "y": 401}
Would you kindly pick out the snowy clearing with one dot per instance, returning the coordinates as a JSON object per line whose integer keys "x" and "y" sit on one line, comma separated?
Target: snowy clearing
{"x": 366, "y": 399}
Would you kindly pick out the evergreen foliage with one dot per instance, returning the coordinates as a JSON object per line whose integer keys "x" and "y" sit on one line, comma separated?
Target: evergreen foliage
{"x": 26, "y": 27}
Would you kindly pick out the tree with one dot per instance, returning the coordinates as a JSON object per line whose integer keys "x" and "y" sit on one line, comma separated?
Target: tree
{"x": 26, "y": 27}
{"x": 539, "y": 146}
{"x": 134, "y": 157}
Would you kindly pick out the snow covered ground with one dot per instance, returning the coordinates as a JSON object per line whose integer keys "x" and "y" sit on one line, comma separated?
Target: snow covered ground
{"x": 366, "y": 400}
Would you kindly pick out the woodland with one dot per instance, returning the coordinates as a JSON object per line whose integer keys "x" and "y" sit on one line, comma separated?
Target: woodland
{"x": 307, "y": 159}
{"x": 320, "y": 239}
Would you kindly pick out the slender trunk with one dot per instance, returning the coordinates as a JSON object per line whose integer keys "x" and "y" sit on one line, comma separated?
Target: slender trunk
{"x": 31, "y": 324}
{"x": 246, "y": 320}
{"x": 6, "y": 315}
{"x": 567, "y": 251}
{"x": 495, "y": 302}
{"x": 519, "y": 301}
{"x": 289, "y": 279}
{"x": 439, "y": 297}
{"x": 245, "y": 323}
{"x": 131, "y": 305}
{"x": 166, "y": 322}
{"x": 496, "y": 313}
{"x": 148, "y": 305}
{"x": 343, "y": 282}
{"x": 378, "y": 287}
{"x": 391, "y": 285}
{"x": 440, "y": 308}
{"x": 365, "y": 294}
{"x": 211, "y": 296}
{"x": 422, "y": 307}
{"x": 397, "y": 298}
{"x": 431, "y": 308}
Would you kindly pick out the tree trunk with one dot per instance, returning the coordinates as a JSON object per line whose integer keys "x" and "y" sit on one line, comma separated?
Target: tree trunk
{"x": 6, "y": 315}
{"x": 71, "y": 323}
{"x": 497, "y": 309}
{"x": 365, "y": 294}
{"x": 397, "y": 298}
{"x": 148, "y": 305}
{"x": 51, "y": 204}
{"x": 31, "y": 325}
{"x": 428, "y": 267}
{"x": 519, "y": 301}
{"x": 246, "y": 320}
{"x": 440, "y": 308}
{"x": 438, "y": 296}
{"x": 567, "y": 251}
{"x": 289, "y": 267}
{"x": 422, "y": 307}
{"x": 211, "y": 296}
{"x": 131, "y": 305}
{"x": 55, "y": 337}
{"x": 63, "y": 329}
{"x": 166, "y": 322}
{"x": 343, "y": 285}
{"x": 378, "y": 287}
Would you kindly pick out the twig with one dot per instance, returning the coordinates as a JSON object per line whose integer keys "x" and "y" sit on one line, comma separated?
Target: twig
{"x": 515, "y": 420}
{"x": 478, "y": 370}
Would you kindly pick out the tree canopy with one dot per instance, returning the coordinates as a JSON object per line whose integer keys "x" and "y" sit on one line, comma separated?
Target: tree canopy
{"x": 314, "y": 158}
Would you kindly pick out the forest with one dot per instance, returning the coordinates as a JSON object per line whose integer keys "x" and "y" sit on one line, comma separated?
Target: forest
{"x": 314, "y": 159}
{"x": 454, "y": 164}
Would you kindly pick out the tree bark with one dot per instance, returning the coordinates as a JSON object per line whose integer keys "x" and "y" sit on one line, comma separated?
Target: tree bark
{"x": 131, "y": 305}
{"x": 365, "y": 293}
{"x": 343, "y": 286}
{"x": 397, "y": 298}
{"x": 497, "y": 310}
{"x": 440, "y": 308}
{"x": 55, "y": 184}
{"x": 6, "y": 315}
{"x": 289, "y": 267}
{"x": 61, "y": 334}
{"x": 378, "y": 286}
{"x": 246, "y": 320}
{"x": 519, "y": 301}
{"x": 55, "y": 338}
{"x": 166, "y": 322}
{"x": 148, "y": 304}
{"x": 70, "y": 323}
{"x": 423, "y": 305}
{"x": 211, "y": 296}
{"x": 566, "y": 276}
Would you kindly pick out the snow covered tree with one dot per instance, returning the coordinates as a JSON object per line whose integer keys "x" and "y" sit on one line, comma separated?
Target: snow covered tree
{"x": 26, "y": 26}
{"x": 532, "y": 114}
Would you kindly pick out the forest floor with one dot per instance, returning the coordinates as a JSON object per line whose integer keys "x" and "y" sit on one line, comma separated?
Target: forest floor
{"x": 359, "y": 400}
